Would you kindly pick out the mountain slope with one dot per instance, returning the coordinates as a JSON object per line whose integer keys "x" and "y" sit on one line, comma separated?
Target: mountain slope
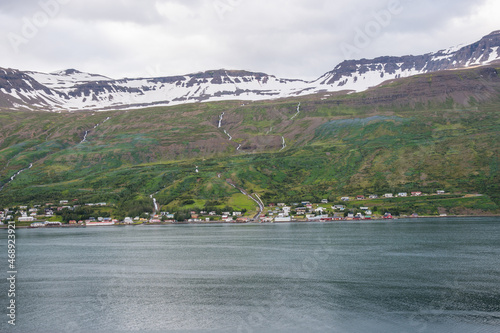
{"x": 427, "y": 132}
{"x": 72, "y": 90}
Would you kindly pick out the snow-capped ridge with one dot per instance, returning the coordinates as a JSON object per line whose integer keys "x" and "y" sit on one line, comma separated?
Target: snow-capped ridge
{"x": 71, "y": 89}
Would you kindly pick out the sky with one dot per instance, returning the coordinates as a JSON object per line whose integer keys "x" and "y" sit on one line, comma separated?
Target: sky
{"x": 287, "y": 38}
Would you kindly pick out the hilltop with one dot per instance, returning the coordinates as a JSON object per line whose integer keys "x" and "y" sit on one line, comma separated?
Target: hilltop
{"x": 72, "y": 90}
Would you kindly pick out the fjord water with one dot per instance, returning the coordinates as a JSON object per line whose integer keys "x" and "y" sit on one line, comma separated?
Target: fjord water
{"x": 414, "y": 275}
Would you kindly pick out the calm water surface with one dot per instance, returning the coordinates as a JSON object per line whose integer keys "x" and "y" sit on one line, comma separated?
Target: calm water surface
{"x": 419, "y": 275}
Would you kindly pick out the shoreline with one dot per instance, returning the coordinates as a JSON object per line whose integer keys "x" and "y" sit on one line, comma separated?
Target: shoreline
{"x": 5, "y": 226}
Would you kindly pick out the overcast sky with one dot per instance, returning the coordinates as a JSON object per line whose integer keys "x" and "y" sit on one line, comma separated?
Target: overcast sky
{"x": 287, "y": 38}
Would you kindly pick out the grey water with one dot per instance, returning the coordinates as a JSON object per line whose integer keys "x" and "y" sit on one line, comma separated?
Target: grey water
{"x": 413, "y": 275}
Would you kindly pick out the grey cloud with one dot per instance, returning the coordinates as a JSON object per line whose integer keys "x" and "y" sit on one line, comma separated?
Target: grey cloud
{"x": 289, "y": 38}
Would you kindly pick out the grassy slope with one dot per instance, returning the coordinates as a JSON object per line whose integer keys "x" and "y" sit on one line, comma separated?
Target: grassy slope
{"x": 346, "y": 145}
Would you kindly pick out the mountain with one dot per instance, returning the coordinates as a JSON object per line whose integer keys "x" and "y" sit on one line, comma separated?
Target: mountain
{"x": 360, "y": 75}
{"x": 428, "y": 132}
{"x": 71, "y": 90}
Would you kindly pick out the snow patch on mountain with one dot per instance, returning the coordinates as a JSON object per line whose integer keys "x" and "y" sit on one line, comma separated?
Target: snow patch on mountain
{"x": 72, "y": 90}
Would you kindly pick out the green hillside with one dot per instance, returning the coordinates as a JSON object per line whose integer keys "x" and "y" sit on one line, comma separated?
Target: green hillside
{"x": 426, "y": 133}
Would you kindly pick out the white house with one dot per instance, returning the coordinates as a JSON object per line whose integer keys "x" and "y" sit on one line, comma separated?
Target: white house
{"x": 402, "y": 194}
{"x": 286, "y": 211}
{"x": 26, "y": 219}
{"x": 388, "y": 195}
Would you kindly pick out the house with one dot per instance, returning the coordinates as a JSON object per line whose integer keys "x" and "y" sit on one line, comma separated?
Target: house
{"x": 440, "y": 192}
{"x": 345, "y": 198}
{"x": 37, "y": 225}
{"x": 281, "y": 204}
{"x": 416, "y": 194}
{"x": 339, "y": 207}
{"x": 320, "y": 210}
{"x": 300, "y": 211}
{"x": 237, "y": 213}
{"x": 283, "y": 219}
{"x": 373, "y": 196}
{"x": 364, "y": 208}
{"x": 388, "y": 195}
{"x": 360, "y": 197}
{"x": 212, "y": 213}
{"x": 324, "y": 201}
{"x": 309, "y": 206}
{"x": 62, "y": 202}
{"x": 402, "y": 194}
{"x": 25, "y": 218}
{"x": 286, "y": 211}
{"x": 128, "y": 220}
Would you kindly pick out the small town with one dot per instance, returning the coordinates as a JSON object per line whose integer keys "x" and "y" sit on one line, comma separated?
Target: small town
{"x": 51, "y": 215}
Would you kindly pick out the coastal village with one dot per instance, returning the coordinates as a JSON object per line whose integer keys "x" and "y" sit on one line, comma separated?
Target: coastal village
{"x": 351, "y": 209}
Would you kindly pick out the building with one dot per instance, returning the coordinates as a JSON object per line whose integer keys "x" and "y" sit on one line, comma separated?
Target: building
{"x": 402, "y": 194}
{"x": 26, "y": 218}
{"x": 286, "y": 211}
{"x": 388, "y": 195}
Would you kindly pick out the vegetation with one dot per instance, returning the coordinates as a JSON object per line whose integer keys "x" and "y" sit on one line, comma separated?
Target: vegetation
{"x": 374, "y": 142}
